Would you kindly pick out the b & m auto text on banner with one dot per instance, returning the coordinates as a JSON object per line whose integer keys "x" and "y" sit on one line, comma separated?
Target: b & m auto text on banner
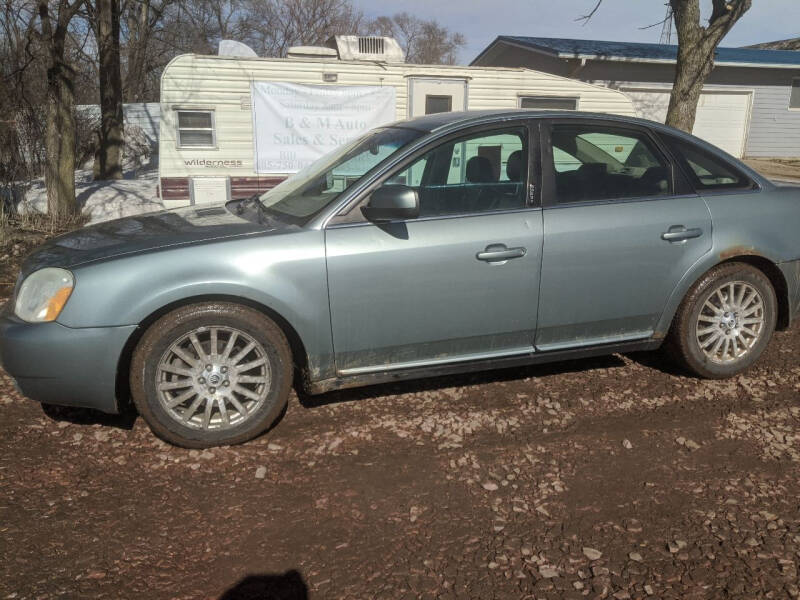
{"x": 296, "y": 124}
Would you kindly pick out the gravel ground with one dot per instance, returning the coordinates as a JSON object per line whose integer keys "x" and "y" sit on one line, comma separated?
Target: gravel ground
{"x": 781, "y": 170}
{"x": 605, "y": 478}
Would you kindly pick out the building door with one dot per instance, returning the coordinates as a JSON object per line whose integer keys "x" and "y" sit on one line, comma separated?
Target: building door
{"x": 428, "y": 96}
{"x": 722, "y": 117}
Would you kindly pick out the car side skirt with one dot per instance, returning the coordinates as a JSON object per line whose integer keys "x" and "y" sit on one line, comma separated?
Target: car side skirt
{"x": 505, "y": 362}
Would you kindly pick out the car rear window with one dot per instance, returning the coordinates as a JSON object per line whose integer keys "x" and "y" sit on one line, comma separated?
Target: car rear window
{"x": 603, "y": 162}
{"x": 708, "y": 172}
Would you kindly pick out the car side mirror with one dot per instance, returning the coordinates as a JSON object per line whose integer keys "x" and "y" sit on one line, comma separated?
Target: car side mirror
{"x": 392, "y": 202}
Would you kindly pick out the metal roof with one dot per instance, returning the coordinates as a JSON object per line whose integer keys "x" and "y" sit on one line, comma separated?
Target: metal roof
{"x": 639, "y": 52}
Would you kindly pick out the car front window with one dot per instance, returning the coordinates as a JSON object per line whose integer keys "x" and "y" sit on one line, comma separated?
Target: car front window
{"x": 308, "y": 191}
{"x": 481, "y": 172}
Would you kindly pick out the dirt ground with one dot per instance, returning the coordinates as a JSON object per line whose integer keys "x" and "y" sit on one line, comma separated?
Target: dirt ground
{"x": 778, "y": 169}
{"x": 605, "y": 478}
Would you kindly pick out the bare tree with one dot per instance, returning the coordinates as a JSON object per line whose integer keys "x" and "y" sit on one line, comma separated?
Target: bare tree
{"x": 424, "y": 42}
{"x": 696, "y": 47}
{"x": 105, "y": 18}
{"x": 199, "y": 25}
{"x": 54, "y": 21}
{"x": 153, "y": 31}
{"x": 146, "y": 46}
{"x": 697, "y": 44}
{"x": 273, "y": 26}
{"x": 23, "y": 85}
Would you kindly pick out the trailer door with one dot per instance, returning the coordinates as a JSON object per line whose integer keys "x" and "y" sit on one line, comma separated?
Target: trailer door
{"x": 427, "y": 95}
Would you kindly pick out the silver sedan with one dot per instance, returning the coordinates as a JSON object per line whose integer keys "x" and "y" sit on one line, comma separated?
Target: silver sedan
{"x": 453, "y": 242}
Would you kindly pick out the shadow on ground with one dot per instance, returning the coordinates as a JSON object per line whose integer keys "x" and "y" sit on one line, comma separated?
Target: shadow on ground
{"x": 653, "y": 360}
{"x": 284, "y": 586}
{"x": 88, "y": 416}
{"x": 659, "y": 361}
{"x": 431, "y": 384}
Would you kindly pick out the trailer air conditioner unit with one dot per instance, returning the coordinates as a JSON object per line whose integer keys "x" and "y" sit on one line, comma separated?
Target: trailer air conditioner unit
{"x": 367, "y": 47}
{"x": 311, "y": 52}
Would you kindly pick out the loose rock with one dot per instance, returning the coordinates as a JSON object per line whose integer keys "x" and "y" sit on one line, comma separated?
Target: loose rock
{"x": 591, "y": 553}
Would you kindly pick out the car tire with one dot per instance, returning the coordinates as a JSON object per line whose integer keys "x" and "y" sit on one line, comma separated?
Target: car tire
{"x": 716, "y": 337}
{"x": 211, "y": 374}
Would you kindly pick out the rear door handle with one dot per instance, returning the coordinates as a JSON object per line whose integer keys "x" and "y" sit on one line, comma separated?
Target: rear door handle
{"x": 500, "y": 253}
{"x": 679, "y": 233}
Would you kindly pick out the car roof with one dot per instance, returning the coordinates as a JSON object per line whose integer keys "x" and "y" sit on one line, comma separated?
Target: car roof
{"x": 455, "y": 120}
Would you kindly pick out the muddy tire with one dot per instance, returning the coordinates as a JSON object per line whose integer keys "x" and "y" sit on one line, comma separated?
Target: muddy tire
{"x": 211, "y": 374}
{"x": 725, "y": 322}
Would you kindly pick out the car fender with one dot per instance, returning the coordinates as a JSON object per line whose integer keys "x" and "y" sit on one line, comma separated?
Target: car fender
{"x": 725, "y": 251}
{"x": 284, "y": 274}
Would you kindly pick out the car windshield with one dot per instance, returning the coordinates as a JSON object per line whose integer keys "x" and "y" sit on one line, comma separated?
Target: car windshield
{"x": 310, "y": 190}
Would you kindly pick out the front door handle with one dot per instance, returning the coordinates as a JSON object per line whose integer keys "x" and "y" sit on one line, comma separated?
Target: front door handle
{"x": 500, "y": 253}
{"x": 679, "y": 233}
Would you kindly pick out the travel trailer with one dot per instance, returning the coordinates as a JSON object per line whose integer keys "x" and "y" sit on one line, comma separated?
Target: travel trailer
{"x": 232, "y": 126}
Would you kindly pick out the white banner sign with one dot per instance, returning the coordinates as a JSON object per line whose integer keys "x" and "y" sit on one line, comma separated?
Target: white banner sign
{"x": 294, "y": 125}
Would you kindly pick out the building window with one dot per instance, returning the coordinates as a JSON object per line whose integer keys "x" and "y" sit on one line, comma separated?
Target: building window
{"x": 794, "y": 99}
{"x": 438, "y": 104}
{"x": 196, "y": 129}
{"x": 548, "y": 103}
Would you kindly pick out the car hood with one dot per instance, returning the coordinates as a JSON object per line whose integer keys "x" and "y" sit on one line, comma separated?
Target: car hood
{"x": 143, "y": 233}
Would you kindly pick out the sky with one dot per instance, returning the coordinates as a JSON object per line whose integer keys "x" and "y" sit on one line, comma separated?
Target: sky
{"x": 481, "y": 21}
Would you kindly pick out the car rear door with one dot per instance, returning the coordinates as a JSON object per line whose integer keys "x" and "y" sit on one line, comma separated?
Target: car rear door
{"x": 458, "y": 283}
{"x": 621, "y": 228}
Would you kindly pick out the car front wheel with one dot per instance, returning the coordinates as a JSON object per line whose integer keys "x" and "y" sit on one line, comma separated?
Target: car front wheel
{"x": 211, "y": 374}
{"x": 725, "y": 322}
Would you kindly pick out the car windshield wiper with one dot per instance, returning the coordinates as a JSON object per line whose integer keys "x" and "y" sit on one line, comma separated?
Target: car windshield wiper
{"x": 254, "y": 200}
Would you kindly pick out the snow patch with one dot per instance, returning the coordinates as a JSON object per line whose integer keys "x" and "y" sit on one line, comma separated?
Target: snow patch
{"x": 104, "y": 200}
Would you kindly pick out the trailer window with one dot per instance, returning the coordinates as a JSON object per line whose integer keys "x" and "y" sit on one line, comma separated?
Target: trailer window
{"x": 548, "y": 103}
{"x": 196, "y": 129}
{"x": 438, "y": 104}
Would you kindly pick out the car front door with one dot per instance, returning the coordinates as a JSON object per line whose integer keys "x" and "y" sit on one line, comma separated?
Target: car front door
{"x": 621, "y": 229}
{"x": 460, "y": 282}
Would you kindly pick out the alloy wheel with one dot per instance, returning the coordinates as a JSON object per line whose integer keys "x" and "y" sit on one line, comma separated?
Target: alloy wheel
{"x": 213, "y": 378}
{"x": 731, "y": 322}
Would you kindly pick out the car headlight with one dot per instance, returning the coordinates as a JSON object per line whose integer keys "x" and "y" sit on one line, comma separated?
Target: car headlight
{"x": 43, "y": 294}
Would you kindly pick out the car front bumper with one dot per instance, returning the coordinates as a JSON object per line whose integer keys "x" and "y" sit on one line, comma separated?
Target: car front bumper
{"x": 55, "y": 364}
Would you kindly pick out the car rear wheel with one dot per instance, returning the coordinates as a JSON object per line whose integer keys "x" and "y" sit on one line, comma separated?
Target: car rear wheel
{"x": 211, "y": 374}
{"x": 725, "y": 322}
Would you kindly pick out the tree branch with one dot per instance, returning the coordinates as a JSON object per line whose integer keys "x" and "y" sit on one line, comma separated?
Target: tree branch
{"x": 661, "y": 22}
{"x": 588, "y": 17}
